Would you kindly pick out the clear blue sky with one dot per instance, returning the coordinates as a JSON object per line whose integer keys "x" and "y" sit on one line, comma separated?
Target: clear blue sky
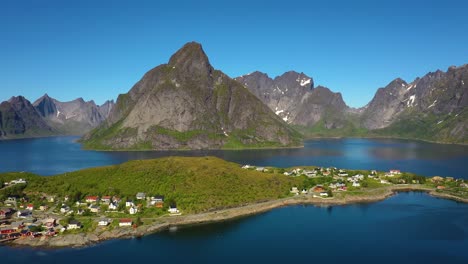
{"x": 73, "y": 49}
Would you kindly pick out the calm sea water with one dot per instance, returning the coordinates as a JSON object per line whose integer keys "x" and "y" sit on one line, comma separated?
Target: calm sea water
{"x": 48, "y": 156}
{"x": 406, "y": 228}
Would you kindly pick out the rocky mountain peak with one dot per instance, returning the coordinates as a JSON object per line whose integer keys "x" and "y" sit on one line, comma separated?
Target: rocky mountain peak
{"x": 191, "y": 59}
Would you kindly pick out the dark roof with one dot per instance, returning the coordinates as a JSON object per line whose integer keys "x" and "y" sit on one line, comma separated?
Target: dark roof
{"x": 74, "y": 222}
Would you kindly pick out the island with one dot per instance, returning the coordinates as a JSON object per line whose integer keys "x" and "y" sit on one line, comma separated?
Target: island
{"x": 140, "y": 197}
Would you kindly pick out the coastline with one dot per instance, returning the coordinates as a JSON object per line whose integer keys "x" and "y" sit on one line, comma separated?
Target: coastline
{"x": 163, "y": 223}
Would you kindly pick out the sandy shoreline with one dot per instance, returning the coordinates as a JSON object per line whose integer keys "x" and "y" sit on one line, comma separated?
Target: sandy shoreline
{"x": 163, "y": 223}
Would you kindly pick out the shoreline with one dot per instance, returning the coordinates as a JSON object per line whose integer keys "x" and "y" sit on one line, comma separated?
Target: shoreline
{"x": 166, "y": 222}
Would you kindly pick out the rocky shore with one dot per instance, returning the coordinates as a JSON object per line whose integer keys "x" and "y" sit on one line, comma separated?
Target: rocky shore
{"x": 163, "y": 223}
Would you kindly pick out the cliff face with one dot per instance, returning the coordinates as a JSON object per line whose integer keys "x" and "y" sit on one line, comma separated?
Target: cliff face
{"x": 188, "y": 104}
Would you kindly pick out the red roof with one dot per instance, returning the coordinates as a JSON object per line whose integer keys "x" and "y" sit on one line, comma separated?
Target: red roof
{"x": 106, "y": 197}
{"x": 125, "y": 220}
{"x": 30, "y": 205}
{"x": 92, "y": 197}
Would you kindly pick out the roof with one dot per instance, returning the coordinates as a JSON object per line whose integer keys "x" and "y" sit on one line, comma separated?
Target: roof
{"x": 141, "y": 194}
{"x": 74, "y": 222}
{"x": 125, "y": 220}
{"x": 92, "y": 197}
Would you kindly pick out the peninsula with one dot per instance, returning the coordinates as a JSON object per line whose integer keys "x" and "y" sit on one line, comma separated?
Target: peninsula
{"x": 145, "y": 196}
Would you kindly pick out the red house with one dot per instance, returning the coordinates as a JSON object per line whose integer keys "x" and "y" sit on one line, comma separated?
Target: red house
{"x": 92, "y": 199}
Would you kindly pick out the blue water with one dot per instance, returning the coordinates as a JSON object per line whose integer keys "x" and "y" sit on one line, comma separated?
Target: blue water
{"x": 48, "y": 156}
{"x": 407, "y": 228}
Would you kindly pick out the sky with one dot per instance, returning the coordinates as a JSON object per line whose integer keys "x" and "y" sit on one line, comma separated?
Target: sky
{"x": 99, "y": 49}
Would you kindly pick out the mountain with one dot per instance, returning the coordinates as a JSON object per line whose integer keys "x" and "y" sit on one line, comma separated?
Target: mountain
{"x": 18, "y": 118}
{"x": 73, "y": 117}
{"x": 292, "y": 96}
{"x": 433, "y": 107}
{"x": 187, "y": 104}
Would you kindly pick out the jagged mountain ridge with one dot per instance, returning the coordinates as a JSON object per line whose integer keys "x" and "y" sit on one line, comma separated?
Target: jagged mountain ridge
{"x": 73, "y": 117}
{"x": 186, "y": 103}
{"x": 49, "y": 117}
{"x": 19, "y": 118}
{"x": 433, "y": 107}
{"x": 292, "y": 96}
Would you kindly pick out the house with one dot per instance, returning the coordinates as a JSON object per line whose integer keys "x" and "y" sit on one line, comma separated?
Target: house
{"x": 43, "y": 207}
{"x": 294, "y": 190}
{"x": 440, "y": 187}
{"x": 157, "y": 200}
{"x": 23, "y": 213}
{"x": 78, "y": 203}
{"x": 125, "y": 222}
{"x": 5, "y": 213}
{"x": 318, "y": 189}
{"x": 133, "y": 210}
{"x": 17, "y": 225}
{"x": 326, "y": 173}
{"x": 384, "y": 182}
{"x": 51, "y": 199}
{"x": 80, "y": 211}
{"x": 74, "y": 224}
{"x": 395, "y": 172}
{"x": 140, "y": 196}
{"x": 94, "y": 208}
{"x": 50, "y": 222}
{"x": 113, "y": 206}
{"x": 104, "y": 222}
{"x": 129, "y": 203}
{"x": 260, "y": 168}
{"x": 373, "y": 172}
{"x": 92, "y": 199}
{"x": 64, "y": 209}
{"x": 11, "y": 199}
{"x": 246, "y": 167}
{"x": 30, "y": 207}
{"x": 304, "y": 191}
{"x": 356, "y": 184}
{"x": 116, "y": 199}
{"x": 173, "y": 209}
{"x": 106, "y": 199}
{"x": 324, "y": 194}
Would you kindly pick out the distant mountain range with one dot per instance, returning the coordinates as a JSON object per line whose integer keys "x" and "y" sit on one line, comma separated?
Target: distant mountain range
{"x": 187, "y": 104}
{"x": 47, "y": 116}
{"x": 433, "y": 107}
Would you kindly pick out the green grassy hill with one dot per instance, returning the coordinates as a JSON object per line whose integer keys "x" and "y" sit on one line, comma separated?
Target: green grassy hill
{"x": 196, "y": 184}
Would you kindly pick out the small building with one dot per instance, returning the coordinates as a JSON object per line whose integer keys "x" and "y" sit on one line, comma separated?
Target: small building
{"x": 6, "y": 212}
{"x": 94, "y": 208}
{"x": 24, "y": 213}
{"x": 113, "y": 206}
{"x": 318, "y": 189}
{"x": 50, "y": 222}
{"x": 141, "y": 196}
{"x": 129, "y": 203}
{"x": 133, "y": 210}
{"x": 304, "y": 191}
{"x": 173, "y": 209}
{"x": 395, "y": 172}
{"x": 440, "y": 187}
{"x": 294, "y": 190}
{"x": 43, "y": 207}
{"x": 104, "y": 222}
{"x": 106, "y": 199}
{"x": 125, "y": 222}
{"x": 74, "y": 224}
{"x": 324, "y": 194}
{"x": 30, "y": 207}
{"x": 92, "y": 199}
{"x": 64, "y": 209}
{"x": 356, "y": 184}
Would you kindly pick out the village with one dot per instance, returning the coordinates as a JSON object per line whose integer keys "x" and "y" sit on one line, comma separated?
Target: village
{"x": 23, "y": 218}
{"x": 44, "y": 216}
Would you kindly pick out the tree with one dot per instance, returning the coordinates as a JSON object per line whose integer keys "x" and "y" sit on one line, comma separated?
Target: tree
{"x": 330, "y": 193}
{"x": 138, "y": 221}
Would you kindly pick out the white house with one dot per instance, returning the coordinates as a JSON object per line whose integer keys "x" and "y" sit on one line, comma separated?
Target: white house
{"x": 129, "y": 203}
{"x": 294, "y": 190}
{"x": 125, "y": 222}
{"x": 140, "y": 196}
{"x": 304, "y": 191}
{"x": 133, "y": 210}
{"x": 173, "y": 209}
{"x": 104, "y": 222}
{"x": 356, "y": 184}
{"x": 325, "y": 194}
{"x": 74, "y": 225}
{"x": 64, "y": 209}
{"x": 112, "y": 206}
{"x": 94, "y": 208}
